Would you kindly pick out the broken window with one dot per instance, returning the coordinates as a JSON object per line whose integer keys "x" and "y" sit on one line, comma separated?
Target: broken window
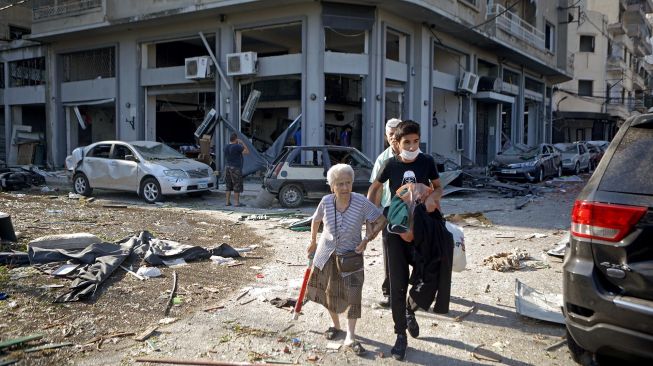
{"x": 346, "y": 27}
{"x": 585, "y": 87}
{"x": 89, "y": 64}
{"x": 272, "y": 40}
{"x": 173, "y": 53}
{"x": 549, "y": 37}
{"x": 510, "y": 77}
{"x": 395, "y": 46}
{"x": 179, "y": 115}
{"x": 533, "y": 85}
{"x": 100, "y": 151}
{"x": 586, "y": 44}
{"x": 17, "y": 32}
{"x": 28, "y": 72}
{"x": 278, "y": 105}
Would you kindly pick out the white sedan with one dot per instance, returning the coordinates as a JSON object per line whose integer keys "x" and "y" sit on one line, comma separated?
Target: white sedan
{"x": 151, "y": 169}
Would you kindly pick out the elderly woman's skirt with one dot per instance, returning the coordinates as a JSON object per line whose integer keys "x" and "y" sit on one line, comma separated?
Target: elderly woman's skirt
{"x": 337, "y": 293}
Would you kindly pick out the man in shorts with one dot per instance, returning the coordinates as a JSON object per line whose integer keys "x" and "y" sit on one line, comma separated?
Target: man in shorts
{"x": 233, "y": 172}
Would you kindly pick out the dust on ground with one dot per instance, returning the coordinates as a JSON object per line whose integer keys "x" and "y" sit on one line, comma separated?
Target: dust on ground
{"x": 123, "y": 304}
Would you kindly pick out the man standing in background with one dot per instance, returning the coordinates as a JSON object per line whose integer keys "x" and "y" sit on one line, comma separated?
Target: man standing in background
{"x": 233, "y": 172}
{"x": 386, "y": 195}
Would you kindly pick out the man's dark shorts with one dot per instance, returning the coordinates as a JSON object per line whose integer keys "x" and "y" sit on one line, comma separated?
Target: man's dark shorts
{"x": 233, "y": 179}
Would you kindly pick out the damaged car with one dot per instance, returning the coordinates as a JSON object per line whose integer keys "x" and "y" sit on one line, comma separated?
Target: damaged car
{"x": 299, "y": 172}
{"x": 530, "y": 163}
{"x": 575, "y": 157}
{"x": 150, "y": 169}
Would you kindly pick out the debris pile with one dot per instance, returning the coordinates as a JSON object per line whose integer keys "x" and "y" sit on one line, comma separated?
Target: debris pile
{"x": 507, "y": 261}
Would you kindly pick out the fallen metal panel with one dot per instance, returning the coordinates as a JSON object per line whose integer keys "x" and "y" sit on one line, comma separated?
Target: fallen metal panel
{"x": 538, "y": 305}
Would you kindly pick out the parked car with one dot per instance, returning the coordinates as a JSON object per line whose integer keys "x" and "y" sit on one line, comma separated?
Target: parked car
{"x": 575, "y": 157}
{"x": 151, "y": 169}
{"x": 299, "y": 172}
{"x": 607, "y": 270}
{"x": 530, "y": 163}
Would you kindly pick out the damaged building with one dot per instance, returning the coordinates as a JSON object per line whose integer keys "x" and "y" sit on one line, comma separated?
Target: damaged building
{"x": 476, "y": 74}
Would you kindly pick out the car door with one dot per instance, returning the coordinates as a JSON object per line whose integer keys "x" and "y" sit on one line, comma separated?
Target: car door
{"x": 123, "y": 174}
{"x": 96, "y": 165}
{"x": 584, "y": 156}
{"x": 545, "y": 158}
{"x": 306, "y": 167}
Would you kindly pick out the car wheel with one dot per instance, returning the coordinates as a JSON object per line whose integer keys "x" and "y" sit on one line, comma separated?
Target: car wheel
{"x": 81, "y": 185}
{"x": 291, "y": 196}
{"x": 579, "y": 354}
{"x": 151, "y": 190}
{"x": 577, "y": 168}
{"x": 559, "y": 171}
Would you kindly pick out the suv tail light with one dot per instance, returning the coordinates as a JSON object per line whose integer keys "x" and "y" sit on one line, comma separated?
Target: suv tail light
{"x": 604, "y": 221}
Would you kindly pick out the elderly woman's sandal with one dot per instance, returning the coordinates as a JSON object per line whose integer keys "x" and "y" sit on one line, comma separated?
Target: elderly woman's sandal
{"x": 332, "y": 333}
{"x": 356, "y": 347}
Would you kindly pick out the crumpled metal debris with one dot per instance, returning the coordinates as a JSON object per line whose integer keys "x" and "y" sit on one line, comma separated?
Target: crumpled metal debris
{"x": 538, "y": 305}
{"x": 507, "y": 261}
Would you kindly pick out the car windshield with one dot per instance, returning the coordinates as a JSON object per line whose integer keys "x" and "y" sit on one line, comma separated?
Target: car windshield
{"x": 156, "y": 151}
{"x": 566, "y": 148}
{"x": 528, "y": 153}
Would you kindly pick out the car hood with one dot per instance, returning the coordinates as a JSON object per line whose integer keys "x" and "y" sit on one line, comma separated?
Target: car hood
{"x": 512, "y": 159}
{"x": 183, "y": 164}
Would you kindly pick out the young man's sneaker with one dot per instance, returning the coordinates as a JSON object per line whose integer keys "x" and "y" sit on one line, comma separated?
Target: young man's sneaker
{"x": 399, "y": 350}
{"x": 411, "y": 323}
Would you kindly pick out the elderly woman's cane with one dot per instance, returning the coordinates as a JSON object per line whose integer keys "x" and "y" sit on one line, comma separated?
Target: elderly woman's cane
{"x": 302, "y": 291}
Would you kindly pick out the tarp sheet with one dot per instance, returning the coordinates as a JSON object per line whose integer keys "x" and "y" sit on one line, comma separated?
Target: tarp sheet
{"x": 255, "y": 161}
{"x": 100, "y": 260}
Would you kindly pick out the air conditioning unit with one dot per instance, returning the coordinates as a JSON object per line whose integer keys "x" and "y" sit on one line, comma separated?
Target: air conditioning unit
{"x": 468, "y": 83}
{"x": 197, "y": 67}
{"x": 242, "y": 63}
{"x": 250, "y": 105}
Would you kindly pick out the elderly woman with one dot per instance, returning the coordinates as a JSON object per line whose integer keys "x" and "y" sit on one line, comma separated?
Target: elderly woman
{"x": 338, "y": 273}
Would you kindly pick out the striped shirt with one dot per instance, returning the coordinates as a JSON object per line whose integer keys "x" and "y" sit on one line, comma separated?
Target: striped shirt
{"x": 342, "y": 230}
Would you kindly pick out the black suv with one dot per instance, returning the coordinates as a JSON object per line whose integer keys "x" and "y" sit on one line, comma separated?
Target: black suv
{"x": 608, "y": 268}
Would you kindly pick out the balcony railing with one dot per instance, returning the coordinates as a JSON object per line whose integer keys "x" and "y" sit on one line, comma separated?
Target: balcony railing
{"x": 518, "y": 27}
{"x": 53, "y": 8}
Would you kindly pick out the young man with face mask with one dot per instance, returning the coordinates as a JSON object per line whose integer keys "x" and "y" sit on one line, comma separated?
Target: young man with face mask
{"x": 383, "y": 197}
{"x": 409, "y": 166}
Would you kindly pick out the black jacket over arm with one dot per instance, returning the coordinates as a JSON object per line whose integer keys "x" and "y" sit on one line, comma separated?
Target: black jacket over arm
{"x": 431, "y": 277}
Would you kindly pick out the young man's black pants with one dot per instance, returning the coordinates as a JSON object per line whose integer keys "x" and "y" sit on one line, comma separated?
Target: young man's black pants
{"x": 399, "y": 255}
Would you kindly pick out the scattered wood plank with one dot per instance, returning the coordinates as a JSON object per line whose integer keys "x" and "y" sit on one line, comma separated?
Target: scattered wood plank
{"x": 556, "y": 345}
{"x": 242, "y": 295}
{"x": 482, "y": 354}
{"x": 199, "y": 362}
{"x": 48, "y": 346}
{"x": 15, "y": 341}
{"x": 247, "y": 302}
{"x": 460, "y": 318}
{"x": 217, "y": 307}
{"x": 172, "y": 293}
{"x": 147, "y": 333}
{"x": 113, "y": 205}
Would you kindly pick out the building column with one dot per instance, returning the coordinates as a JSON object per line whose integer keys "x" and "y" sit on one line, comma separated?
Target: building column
{"x": 313, "y": 81}
{"x": 129, "y": 123}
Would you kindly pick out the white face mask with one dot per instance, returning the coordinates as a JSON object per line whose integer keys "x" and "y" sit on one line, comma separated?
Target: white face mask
{"x": 409, "y": 155}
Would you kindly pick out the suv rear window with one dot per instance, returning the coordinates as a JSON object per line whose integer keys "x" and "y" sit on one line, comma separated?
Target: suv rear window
{"x": 629, "y": 170}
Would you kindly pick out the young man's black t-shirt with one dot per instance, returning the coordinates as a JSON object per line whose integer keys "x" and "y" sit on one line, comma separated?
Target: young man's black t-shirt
{"x": 421, "y": 170}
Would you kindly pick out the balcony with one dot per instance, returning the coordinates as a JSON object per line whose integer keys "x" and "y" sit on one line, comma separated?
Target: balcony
{"x": 615, "y": 63}
{"x": 512, "y": 24}
{"x": 46, "y": 9}
{"x": 616, "y": 29}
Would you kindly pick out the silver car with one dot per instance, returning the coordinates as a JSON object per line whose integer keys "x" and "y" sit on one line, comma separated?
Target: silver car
{"x": 151, "y": 169}
{"x": 575, "y": 157}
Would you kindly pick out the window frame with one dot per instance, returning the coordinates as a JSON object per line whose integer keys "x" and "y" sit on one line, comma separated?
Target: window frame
{"x": 593, "y": 43}
{"x": 583, "y": 93}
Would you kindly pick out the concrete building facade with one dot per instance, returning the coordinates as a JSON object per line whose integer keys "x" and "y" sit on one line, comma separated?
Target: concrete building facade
{"x": 475, "y": 74}
{"x": 611, "y": 42}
